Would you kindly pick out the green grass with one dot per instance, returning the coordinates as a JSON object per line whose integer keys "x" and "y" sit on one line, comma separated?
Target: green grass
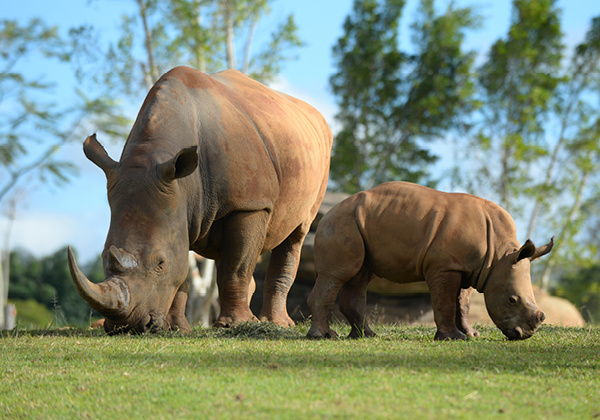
{"x": 262, "y": 371}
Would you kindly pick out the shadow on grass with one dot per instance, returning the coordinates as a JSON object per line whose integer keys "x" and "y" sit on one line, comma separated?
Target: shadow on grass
{"x": 264, "y": 345}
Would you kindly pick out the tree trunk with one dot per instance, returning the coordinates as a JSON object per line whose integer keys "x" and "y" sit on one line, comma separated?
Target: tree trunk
{"x": 200, "y": 59}
{"x": 151, "y": 72}
{"x": 230, "y": 34}
{"x": 249, "y": 43}
{"x": 5, "y": 261}
{"x": 545, "y": 277}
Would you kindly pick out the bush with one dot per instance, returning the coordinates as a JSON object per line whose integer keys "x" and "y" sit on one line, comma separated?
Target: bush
{"x": 32, "y": 314}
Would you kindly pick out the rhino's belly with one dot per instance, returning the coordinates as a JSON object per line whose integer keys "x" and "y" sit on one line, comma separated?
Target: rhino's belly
{"x": 398, "y": 272}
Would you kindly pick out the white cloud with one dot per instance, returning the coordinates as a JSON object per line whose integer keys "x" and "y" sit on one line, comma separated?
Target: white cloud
{"x": 43, "y": 233}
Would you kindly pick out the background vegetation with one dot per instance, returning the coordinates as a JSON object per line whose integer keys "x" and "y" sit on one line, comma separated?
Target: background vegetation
{"x": 522, "y": 121}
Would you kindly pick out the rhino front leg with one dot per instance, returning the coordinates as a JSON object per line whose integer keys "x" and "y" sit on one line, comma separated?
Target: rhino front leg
{"x": 241, "y": 242}
{"x": 353, "y": 304}
{"x": 176, "y": 317}
{"x": 280, "y": 277}
{"x": 462, "y": 312}
{"x": 444, "y": 288}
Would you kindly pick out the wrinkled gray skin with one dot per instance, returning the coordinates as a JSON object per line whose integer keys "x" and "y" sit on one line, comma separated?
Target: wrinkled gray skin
{"x": 405, "y": 232}
{"x": 221, "y": 165}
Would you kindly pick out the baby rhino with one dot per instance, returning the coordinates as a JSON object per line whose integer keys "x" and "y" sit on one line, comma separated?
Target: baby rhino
{"x": 405, "y": 233}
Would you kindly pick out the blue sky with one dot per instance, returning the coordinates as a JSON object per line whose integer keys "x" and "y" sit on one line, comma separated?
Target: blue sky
{"x": 78, "y": 213}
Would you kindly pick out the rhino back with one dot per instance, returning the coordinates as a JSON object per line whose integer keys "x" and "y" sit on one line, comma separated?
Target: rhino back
{"x": 411, "y": 231}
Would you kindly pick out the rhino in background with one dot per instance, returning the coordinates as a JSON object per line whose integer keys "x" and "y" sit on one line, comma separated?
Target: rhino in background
{"x": 405, "y": 233}
{"x": 221, "y": 165}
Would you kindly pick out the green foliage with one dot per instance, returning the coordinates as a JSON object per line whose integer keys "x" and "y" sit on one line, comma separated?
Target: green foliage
{"x": 566, "y": 198}
{"x": 400, "y": 373}
{"x": 28, "y": 123}
{"x": 516, "y": 84}
{"x": 27, "y": 281}
{"x": 582, "y": 288}
{"x": 48, "y": 282}
{"x": 391, "y": 100}
{"x": 161, "y": 35}
{"x": 32, "y": 315}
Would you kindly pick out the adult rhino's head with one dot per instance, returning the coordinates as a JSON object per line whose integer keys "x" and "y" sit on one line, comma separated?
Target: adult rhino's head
{"x": 508, "y": 293}
{"x": 145, "y": 257}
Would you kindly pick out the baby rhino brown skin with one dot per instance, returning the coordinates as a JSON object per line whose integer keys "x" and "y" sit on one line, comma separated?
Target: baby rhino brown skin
{"x": 405, "y": 233}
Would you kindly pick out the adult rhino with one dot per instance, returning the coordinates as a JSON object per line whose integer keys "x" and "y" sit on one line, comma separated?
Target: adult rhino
{"x": 405, "y": 232}
{"x": 221, "y": 165}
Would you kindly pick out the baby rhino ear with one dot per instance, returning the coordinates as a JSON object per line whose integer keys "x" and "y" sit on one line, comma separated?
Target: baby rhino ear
{"x": 529, "y": 250}
{"x": 526, "y": 251}
{"x": 182, "y": 165}
{"x": 95, "y": 152}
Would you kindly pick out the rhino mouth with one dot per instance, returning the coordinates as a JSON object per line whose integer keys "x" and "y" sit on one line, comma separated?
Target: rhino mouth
{"x": 149, "y": 323}
{"x": 518, "y": 333}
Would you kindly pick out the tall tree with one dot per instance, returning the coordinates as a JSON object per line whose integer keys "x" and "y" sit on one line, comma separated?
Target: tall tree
{"x": 29, "y": 137}
{"x": 391, "y": 101}
{"x": 30, "y": 118}
{"x": 199, "y": 33}
{"x": 576, "y": 151}
{"x": 517, "y": 82}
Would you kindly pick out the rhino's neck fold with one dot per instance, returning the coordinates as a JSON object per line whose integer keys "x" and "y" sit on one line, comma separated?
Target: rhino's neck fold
{"x": 481, "y": 278}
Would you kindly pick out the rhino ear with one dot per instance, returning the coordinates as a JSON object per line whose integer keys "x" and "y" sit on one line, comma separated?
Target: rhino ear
{"x": 182, "y": 165}
{"x": 529, "y": 250}
{"x": 543, "y": 250}
{"x": 95, "y": 152}
{"x": 121, "y": 261}
{"x": 526, "y": 251}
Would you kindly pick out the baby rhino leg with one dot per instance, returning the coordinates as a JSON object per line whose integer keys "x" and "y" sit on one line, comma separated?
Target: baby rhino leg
{"x": 353, "y": 304}
{"x": 339, "y": 255}
{"x": 444, "y": 288}
{"x": 462, "y": 313}
{"x": 321, "y": 301}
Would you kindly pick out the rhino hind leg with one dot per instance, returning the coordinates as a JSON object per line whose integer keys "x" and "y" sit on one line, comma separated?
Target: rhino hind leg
{"x": 280, "y": 277}
{"x": 321, "y": 301}
{"x": 462, "y": 313}
{"x": 339, "y": 257}
{"x": 353, "y": 304}
{"x": 444, "y": 289}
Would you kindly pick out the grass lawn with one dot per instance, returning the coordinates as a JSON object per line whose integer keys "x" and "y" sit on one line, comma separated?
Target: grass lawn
{"x": 263, "y": 371}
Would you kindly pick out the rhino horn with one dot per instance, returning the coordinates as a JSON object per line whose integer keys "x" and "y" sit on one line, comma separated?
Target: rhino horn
{"x": 110, "y": 298}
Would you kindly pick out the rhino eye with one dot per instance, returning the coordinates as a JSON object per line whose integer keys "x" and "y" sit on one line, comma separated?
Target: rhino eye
{"x": 512, "y": 300}
{"x": 160, "y": 266}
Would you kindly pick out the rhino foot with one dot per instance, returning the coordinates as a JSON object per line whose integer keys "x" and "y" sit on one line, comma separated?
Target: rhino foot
{"x": 454, "y": 335}
{"x": 180, "y": 325}
{"x": 472, "y": 332}
{"x": 232, "y": 321}
{"x": 318, "y": 334}
{"x": 283, "y": 321}
{"x": 356, "y": 333}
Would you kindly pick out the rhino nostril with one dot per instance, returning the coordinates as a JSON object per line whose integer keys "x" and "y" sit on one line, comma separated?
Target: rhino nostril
{"x": 518, "y": 333}
{"x": 541, "y": 317}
